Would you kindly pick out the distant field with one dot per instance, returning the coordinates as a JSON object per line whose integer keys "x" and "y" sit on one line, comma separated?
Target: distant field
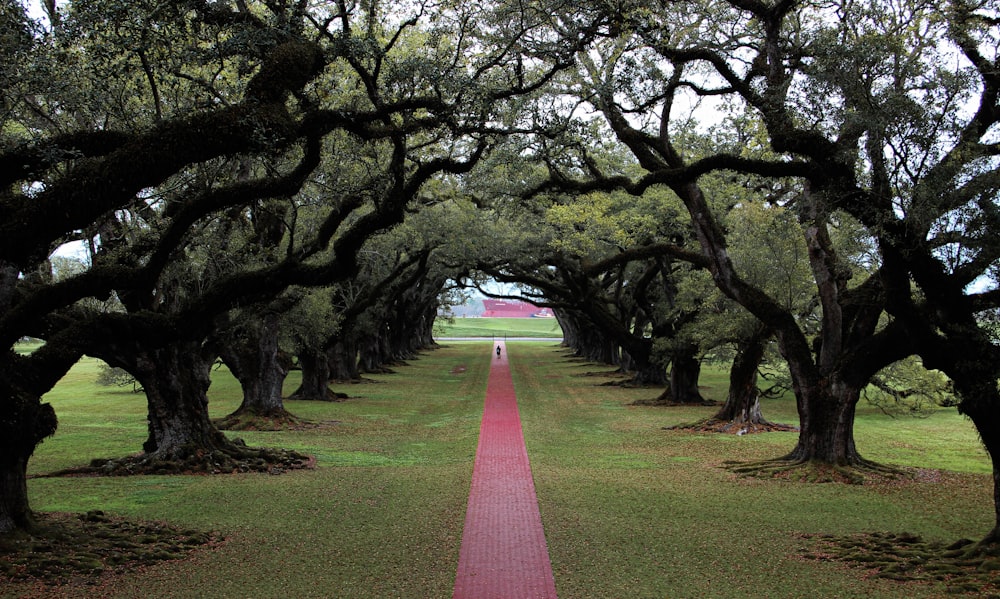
{"x": 498, "y": 327}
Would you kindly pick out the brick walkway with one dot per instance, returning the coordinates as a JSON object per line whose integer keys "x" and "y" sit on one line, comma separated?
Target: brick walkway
{"x": 503, "y": 554}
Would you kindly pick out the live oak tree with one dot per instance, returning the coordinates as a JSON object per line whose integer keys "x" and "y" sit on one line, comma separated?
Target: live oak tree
{"x": 266, "y": 76}
{"x": 884, "y": 111}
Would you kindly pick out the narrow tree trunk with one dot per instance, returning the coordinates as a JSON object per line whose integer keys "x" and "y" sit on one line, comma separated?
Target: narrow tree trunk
{"x": 743, "y": 400}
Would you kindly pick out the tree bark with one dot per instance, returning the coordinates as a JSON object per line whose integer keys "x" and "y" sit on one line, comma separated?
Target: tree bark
{"x": 375, "y": 355}
{"x": 316, "y": 376}
{"x": 18, "y": 439}
{"x": 176, "y": 378}
{"x": 260, "y": 366}
{"x": 649, "y": 373}
{"x": 743, "y": 399}
{"x": 342, "y": 358}
{"x": 983, "y": 415}
{"x": 826, "y": 420}
{"x": 685, "y": 370}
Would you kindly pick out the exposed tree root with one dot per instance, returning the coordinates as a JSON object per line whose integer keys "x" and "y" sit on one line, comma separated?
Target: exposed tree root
{"x": 733, "y": 427}
{"x": 233, "y": 458}
{"x": 381, "y": 370}
{"x": 814, "y": 471}
{"x": 963, "y": 567}
{"x": 618, "y": 374}
{"x": 669, "y": 403}
{"x": 86, "y": 548}
{"x": 330, "y": 395}
{"x": 254, "y": 420}
{"x": 627, "y": 382}
{"x": 355, "y": 381}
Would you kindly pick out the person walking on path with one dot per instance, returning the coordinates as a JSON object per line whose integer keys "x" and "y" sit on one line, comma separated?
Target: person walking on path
{"x": 503, "y": 553}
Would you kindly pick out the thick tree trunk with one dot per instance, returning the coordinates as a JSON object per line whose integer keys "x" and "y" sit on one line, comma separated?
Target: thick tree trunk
{"x": 374, "y": 355}
{"x": 568, "y": 327}
{"x": 982, "y": 404}
{"x": 176, "y": 380}
{"x": 18, "y": 439}
{"x": 316, "y": 376}
{"x": 261, "y": 368}
{"x": 685, "y": 370}
{"x": 648, "y": 374}
{"x": 342, "y": 358}
{"x": 424, "y": 335}
{"x": 826, "y": 420}
{"x": 984, "y": 416}
{"x": 368, "y": 355}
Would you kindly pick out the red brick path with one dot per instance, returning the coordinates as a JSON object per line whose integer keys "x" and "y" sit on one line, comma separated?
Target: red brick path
{"x": 503, "y": 554}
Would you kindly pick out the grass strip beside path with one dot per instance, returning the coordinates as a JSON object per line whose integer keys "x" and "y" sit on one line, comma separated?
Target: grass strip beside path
{"x": 631, "y": 510}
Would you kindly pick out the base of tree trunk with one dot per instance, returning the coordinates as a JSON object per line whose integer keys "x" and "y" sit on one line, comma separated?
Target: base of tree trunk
{"x": 814, "y": 471}
{"x": 233, "y": 458}
{"x": 961, "y": 568}
{"x": 618, "y": 374}
{"x": 256, "y": 420}
{"x": 329, "y": 395}
{"x": 665, "y": 402}
{"x": 87, "y": 546}
{"x": 733, "y": 427}
{"x": 380, "y": 370}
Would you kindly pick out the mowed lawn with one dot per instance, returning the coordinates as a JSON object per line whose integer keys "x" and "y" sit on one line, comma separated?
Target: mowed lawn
{"x": 630, "y": 510}
{"x": 499, "y": 328}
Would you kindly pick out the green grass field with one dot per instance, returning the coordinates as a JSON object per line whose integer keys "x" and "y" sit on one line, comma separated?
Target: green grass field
{"x": 629, "y": 509}
{"x": 499, "y": 328}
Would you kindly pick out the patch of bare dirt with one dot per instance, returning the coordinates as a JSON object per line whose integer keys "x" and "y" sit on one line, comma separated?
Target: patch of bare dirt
{"x": 88, "y": 549}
